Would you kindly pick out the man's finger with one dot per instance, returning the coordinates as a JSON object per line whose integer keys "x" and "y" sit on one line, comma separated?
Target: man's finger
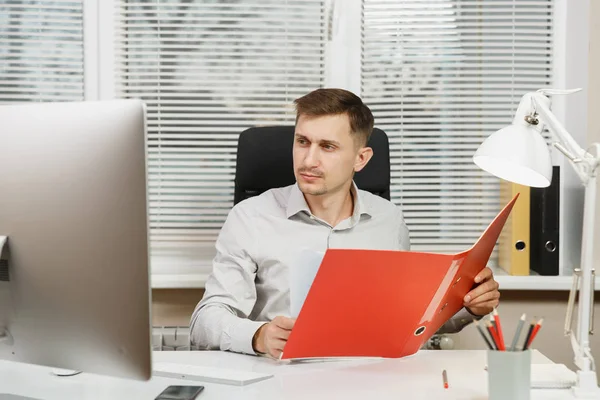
{"x": 485, "y": 274}
{"x": 278, "y": 344}
{"x": 485, "y": 287}
{"x": 275, "y": 353}
{"x": 284, "y": 323}
{"x": 489, "y": 296}
{"x": 280, "y": 333}
{"x": 275, "y": 347}
{"x": 488, "y": 306}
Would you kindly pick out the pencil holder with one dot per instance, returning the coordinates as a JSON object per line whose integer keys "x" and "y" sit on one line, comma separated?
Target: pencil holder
{"x": 509, "y": 375}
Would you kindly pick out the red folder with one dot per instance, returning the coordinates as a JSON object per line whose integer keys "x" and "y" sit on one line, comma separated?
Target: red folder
{"x": 378, "y": 303}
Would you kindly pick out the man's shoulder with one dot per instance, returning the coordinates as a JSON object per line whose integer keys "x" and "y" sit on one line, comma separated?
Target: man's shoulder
{"x": 272, "y": 201}
{"x": 377, "y": 205}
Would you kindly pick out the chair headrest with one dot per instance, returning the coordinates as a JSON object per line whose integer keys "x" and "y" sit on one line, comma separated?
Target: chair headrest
{"x": 264, "y": 161}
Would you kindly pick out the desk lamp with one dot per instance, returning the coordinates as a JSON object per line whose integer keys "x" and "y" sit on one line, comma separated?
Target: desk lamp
{"x": 519, "y": 153}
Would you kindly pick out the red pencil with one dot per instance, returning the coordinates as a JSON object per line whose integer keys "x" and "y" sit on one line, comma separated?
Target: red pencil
{"x": 493, "y": 334}
{"x": 536, "y": 329}
{"x": 499, "y": 328}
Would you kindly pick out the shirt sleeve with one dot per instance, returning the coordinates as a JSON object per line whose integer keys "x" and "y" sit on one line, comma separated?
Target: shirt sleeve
{"x": 461, "y": 319}
{"x": 220, "y": 320}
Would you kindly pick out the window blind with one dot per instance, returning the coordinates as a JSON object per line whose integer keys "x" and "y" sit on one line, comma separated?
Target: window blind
{"x": 41, "y": 50}
{"x": 440, "y": 76}
{"x": 208, "y": 70}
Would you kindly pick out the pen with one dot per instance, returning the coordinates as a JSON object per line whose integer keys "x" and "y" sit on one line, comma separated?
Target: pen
{"x": 499, "y": 328}
{"x": 445, "y": 379}
{"x": 513, "y": 346}
{"x": 536, "y": 329}
{"x": 483, "y": 335}
{"x": 529, "y": 332}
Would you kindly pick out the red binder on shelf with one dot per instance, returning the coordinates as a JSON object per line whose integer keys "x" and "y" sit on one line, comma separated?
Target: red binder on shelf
{"x": 379, "y": 303}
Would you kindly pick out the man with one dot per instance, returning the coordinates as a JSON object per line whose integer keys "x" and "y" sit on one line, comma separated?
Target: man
{"x": 245, "y": 307}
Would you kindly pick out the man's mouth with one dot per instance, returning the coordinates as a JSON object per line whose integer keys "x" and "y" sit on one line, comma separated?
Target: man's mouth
{"x": 309, "y": 176}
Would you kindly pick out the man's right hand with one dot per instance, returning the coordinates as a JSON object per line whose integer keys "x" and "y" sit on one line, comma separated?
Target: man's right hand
{"x": 271, "y": 338}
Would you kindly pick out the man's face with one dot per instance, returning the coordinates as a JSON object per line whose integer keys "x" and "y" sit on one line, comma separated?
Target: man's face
{"x": 325, "y": 154}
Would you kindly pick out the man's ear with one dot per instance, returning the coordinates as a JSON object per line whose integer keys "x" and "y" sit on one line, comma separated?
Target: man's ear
{"x": 362, "y": 158}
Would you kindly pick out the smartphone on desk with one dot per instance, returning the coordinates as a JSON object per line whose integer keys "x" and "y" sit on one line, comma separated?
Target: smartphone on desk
{"x": 177, "y": 392}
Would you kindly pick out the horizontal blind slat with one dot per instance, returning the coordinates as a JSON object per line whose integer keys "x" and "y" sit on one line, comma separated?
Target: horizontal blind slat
{"x": 206, "y": 75}
{"x": 440, "y": 77}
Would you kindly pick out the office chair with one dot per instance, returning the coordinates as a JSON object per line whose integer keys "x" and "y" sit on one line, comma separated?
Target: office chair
{"x": 264, "y": 161}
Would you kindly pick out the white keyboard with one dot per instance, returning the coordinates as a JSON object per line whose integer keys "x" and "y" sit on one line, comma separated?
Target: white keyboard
{"x": 208, "y": 374}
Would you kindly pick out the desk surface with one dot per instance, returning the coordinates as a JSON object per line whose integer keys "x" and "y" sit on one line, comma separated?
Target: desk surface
{"x": 418, "y": 376}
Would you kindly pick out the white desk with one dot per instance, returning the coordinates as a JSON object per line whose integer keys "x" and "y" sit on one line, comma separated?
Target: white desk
{"x": 416, "y": 377}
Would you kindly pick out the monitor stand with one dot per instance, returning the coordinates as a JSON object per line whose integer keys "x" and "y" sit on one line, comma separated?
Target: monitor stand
{"x": 63, "y": 372}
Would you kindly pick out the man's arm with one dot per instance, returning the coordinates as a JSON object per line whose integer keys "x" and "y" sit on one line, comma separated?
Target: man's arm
{"x": 220, "y": 320}
{"x": 455, "y": 324}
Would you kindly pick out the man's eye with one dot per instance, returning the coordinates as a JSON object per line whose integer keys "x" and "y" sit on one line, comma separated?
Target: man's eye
{"x": 329, "y": 147}
{"x": 301, "y": 141}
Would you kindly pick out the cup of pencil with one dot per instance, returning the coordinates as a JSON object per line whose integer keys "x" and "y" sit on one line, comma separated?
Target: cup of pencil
{"x": 509, "y": 367}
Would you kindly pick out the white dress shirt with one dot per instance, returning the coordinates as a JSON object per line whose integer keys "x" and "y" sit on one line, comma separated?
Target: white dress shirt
{"x": 260, "y": 239}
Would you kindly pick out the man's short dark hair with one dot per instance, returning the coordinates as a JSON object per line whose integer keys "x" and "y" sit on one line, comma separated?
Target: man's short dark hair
{"x": 322, "y": 102}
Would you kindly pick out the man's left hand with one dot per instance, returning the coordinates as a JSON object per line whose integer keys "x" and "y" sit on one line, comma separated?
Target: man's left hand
{"x": 484, "y": 297}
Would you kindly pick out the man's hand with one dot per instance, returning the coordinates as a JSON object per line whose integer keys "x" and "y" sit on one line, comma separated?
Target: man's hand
{"x": 485, "y": 295}
{"x": 272, "y": 337}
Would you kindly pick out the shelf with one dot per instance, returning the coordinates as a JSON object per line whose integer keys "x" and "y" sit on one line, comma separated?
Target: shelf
{"x": 178, "y": 281}
{"x": 507, "y": 282}
{"x": 535, "y": 282}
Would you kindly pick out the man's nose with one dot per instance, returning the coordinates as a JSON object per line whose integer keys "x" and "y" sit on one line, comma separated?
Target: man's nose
{"x": 311, "y": 158}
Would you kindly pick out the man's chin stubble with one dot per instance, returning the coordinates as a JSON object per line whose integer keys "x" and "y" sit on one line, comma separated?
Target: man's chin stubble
{"x": 314, "y": 192}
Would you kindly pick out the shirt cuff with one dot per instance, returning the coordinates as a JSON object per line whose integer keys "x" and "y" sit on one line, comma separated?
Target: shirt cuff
{"x": 464, "y": 317}
{"x": 475, "y": 316}
{"x": 242, "y": 334}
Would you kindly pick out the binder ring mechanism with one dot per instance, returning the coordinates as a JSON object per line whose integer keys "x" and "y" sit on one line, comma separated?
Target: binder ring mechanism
{"x": 420, "y": 331}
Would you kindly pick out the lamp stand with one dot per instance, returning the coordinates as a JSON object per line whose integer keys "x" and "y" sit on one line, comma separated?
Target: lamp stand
{"x": 587, "y": 383}
{"x": 586, "y": 166}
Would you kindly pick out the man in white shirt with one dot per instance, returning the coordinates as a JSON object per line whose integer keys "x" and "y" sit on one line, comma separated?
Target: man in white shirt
{"x": 246, "y": 303}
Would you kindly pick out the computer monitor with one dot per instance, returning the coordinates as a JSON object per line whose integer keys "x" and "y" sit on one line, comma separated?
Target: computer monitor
{"x": 74, "y": 280}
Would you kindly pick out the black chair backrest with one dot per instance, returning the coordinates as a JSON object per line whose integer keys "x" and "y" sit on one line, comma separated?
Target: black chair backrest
{"x": 264, "y": 161}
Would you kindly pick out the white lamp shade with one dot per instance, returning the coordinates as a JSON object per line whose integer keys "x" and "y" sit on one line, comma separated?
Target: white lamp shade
{"x": 517, "y": 153}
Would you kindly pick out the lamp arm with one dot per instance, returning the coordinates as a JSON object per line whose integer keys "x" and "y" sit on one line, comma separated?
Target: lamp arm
{"x": 585, "y": 164}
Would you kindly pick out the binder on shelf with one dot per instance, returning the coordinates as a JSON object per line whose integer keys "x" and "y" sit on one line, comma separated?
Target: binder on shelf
{"x": 544, "y": 226}
{"x": 514, "y": 243}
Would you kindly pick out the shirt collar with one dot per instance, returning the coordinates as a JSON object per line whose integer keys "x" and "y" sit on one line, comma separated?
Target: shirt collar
{"x": 297, "y": 203}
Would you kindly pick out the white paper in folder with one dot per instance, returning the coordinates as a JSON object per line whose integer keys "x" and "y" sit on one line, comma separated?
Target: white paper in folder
{"x": 301, "y": 276}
